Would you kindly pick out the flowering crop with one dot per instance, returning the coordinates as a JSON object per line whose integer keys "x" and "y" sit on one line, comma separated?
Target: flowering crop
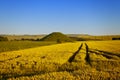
{"x": 100, "y": 60}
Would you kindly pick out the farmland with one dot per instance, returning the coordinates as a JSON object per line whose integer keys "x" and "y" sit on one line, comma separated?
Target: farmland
{"x": 18, "y": 45}
{"x": 67, "y": 61}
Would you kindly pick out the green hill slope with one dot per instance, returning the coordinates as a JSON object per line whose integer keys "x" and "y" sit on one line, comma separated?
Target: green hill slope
{"x": 56, "y": 36}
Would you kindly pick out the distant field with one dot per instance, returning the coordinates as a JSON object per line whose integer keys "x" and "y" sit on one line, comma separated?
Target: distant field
{"x": 18, "y": 45}
{"x": 85, "y": 60}
{"x": 19, "y": 37}
{"x": 83, "y": 36}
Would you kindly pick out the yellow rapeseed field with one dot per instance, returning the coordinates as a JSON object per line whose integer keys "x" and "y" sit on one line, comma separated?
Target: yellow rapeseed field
{"x": 100, "y": 60}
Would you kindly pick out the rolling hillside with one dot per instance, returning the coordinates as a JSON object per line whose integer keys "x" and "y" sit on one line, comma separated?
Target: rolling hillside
{"x": 55, "y": 36}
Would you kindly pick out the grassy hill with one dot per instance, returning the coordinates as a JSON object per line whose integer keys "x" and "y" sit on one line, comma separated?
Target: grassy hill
{"x": 56, "y": 36}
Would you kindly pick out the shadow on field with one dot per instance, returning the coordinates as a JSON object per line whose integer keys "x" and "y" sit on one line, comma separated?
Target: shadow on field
{"x": 27, "y": 72}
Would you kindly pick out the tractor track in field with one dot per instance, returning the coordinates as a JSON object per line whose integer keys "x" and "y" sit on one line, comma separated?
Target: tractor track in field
{"x": 74, "y": 54}
{"x": 88, "y": 51}
{"x": 87, "y": 57}
{"x": 108, "y": 55}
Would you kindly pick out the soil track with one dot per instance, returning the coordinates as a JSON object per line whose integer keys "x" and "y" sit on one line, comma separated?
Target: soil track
{"x": 73, "y": 56}
{"x": 88, "y": 51}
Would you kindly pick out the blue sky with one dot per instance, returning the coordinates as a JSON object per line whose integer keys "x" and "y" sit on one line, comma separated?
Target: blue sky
{"x": 95, "y": 17}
